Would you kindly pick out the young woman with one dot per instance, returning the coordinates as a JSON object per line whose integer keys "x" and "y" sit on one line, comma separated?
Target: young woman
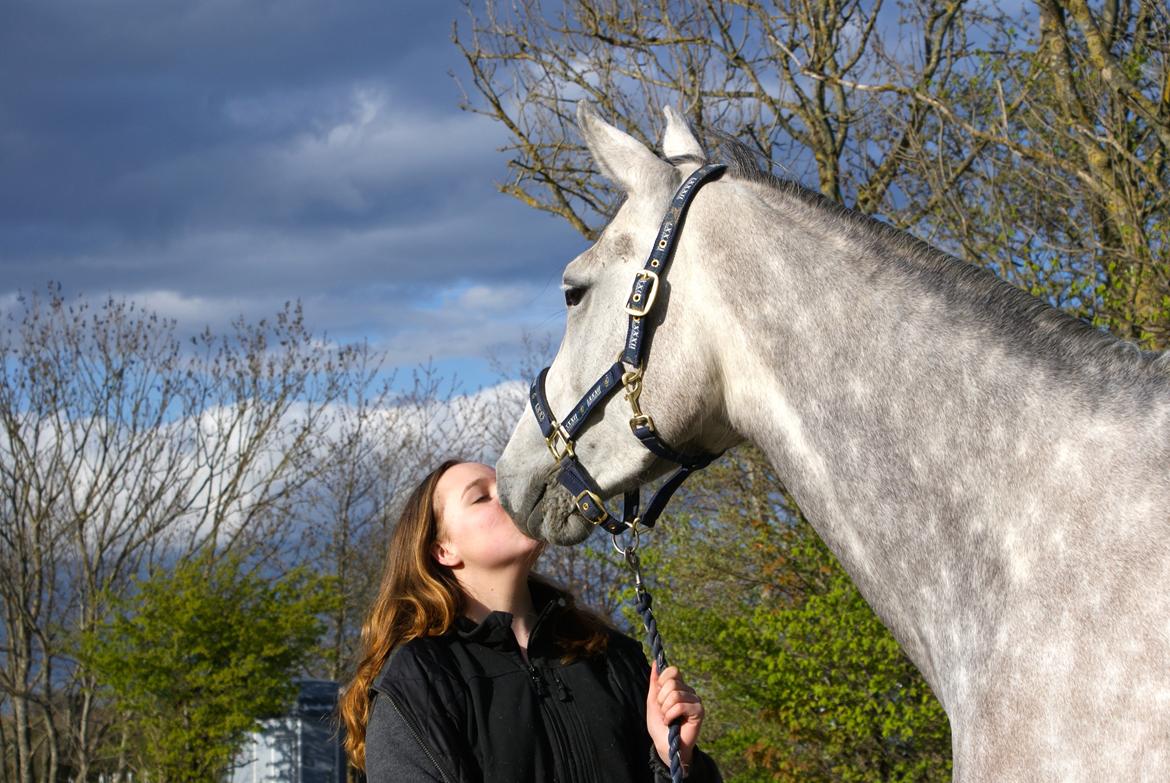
{"x": 475, "y": 669}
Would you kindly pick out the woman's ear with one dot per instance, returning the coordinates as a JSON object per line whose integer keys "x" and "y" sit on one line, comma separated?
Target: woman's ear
{"x": 446, "y": 555}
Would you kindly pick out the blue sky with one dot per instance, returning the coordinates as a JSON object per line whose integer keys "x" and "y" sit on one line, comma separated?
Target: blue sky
{"x": 211, "y": 158}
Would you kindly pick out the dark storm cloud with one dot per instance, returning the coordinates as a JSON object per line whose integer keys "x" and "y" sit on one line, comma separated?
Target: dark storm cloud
{"x": 211, "y": 156}
{"x": 94, "y": 92}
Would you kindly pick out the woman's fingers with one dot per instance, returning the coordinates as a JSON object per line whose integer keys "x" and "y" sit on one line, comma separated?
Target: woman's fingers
{"x": 669, "y": 701}
{"x": 674, "y": 699}
{"x": 670, "y": 681}
{"x": 671, "y": 686}
{"x": 678, "y": 697}
{"x": 689, "y": 711}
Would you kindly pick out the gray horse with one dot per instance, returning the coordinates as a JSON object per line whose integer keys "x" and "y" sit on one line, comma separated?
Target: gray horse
{"x": 993, "y": 474}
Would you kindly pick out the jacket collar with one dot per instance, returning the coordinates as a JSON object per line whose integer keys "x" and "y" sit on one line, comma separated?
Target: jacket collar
{"x": 495, "y": 630}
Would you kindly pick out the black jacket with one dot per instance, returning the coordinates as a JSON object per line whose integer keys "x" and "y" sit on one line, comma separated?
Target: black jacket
{"x": 465, "y": 708}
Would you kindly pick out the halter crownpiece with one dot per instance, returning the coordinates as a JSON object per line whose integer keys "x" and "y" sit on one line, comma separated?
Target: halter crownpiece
{"x": 560, "y": 436}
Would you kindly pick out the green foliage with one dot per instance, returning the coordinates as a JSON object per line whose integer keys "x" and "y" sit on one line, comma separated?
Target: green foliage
{"x": 200, "y": 654}
{"x": 801, "y": 681}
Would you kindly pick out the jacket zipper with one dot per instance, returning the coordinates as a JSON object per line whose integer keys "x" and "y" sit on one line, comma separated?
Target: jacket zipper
{"x": 564, "y": 728}
{"x": 559, "y": 736}
{"x": 562, "y": 689}
{"x": 538, "y": 683}
{"x": 417, "y": 738}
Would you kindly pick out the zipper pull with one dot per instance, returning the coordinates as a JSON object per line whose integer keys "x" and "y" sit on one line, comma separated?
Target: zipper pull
{"x": 563, "y": 692}
{"x": 537, "y": 682}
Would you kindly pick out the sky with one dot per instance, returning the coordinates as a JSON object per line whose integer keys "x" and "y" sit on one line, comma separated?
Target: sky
{"x": 216, "y": 158}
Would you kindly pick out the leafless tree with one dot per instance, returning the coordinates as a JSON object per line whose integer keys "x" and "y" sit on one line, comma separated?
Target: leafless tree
{"x": 122, "y": 450}
{"x": 1032, "y": 141}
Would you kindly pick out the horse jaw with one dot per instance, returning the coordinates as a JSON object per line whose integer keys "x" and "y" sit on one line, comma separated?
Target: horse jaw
{"x": 529, "y": 492}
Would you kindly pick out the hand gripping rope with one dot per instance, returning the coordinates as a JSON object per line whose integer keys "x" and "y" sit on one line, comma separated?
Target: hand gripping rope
{"x": 643, "y": 602}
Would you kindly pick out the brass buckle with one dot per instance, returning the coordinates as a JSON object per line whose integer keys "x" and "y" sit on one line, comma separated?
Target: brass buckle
{"x": 559, "y": 434}
{"x": 642, "y": 419}
{"x": 585, "y": 506}
{"x": 639, "y": 310}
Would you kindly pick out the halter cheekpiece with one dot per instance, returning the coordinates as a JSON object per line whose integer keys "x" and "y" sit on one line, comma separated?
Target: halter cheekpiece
{"x": 561, "y": 436}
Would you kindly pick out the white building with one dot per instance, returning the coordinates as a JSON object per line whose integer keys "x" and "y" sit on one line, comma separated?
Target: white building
{"x": 299, "y": 747}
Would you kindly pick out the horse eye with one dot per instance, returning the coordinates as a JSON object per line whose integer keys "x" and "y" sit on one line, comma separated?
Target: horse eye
{"x": 573, "y": 295}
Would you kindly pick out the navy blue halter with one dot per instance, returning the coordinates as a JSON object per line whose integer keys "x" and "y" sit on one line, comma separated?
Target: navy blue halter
{"x": 560, "y": 436}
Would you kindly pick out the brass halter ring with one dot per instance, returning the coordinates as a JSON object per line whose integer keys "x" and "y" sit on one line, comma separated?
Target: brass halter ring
{"x": 633, "y": 547}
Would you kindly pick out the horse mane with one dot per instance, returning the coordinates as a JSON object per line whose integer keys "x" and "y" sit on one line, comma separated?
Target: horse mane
{"x": 1031, "y": 321}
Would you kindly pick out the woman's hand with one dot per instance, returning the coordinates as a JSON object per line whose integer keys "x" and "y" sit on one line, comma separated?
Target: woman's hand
{"x": 671, "y": 698}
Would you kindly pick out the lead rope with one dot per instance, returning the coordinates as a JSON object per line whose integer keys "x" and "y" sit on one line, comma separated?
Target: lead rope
{"x": 642, "y": 602}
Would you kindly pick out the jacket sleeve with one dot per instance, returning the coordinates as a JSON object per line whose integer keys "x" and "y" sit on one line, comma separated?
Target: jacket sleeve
{"x": 394, "y": 752}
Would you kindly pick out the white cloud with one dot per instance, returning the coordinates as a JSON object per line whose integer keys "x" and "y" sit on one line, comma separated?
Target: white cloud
{"x": 379, "y": 142}
{"x": 191, "y": 468}
{"x": 9, "y": 301}
{"x": 346, "y": 155}
{"x": 477, "y": 322}
{"x": 194, "y": 312}
{"x": 474, "y": 322}
{"x": 502, "y": 299}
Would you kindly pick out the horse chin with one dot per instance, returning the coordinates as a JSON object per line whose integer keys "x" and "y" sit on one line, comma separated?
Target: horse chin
{"x": 566, "y": 531}
{"x": 556, "y": 520}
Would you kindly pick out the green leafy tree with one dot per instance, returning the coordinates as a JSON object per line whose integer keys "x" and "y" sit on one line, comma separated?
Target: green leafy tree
{"x": 801, "y": 680}
{"x": 199, "y": 654}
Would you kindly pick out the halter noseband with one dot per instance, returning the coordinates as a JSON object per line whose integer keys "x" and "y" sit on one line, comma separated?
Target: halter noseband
{"x": 560, "y": 436}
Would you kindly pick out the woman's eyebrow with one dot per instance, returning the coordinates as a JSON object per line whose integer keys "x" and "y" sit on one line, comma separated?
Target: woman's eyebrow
{"x": 474, "y": 482}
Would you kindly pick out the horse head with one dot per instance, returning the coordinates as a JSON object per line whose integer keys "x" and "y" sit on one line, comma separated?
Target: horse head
{"x": 681, "y": 383}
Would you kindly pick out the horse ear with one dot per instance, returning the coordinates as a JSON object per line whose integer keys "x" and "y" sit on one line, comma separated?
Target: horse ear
{"x": 622, "y": 159}
{"x": 679, "y": 142}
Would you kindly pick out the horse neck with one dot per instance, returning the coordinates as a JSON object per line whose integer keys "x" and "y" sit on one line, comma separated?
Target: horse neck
{"x": 922, "y": 426}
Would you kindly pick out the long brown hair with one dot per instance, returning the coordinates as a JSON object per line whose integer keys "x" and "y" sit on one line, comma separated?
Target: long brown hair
{"x": 419, "y": 597}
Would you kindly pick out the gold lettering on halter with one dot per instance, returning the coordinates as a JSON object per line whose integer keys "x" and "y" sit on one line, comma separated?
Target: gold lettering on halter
{"x": 635, "y": 328}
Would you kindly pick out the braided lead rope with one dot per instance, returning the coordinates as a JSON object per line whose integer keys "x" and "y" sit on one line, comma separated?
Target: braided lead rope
{"x": 642, "y": 602}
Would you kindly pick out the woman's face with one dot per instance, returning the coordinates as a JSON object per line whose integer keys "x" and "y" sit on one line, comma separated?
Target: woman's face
{"x": 474, "y": 530}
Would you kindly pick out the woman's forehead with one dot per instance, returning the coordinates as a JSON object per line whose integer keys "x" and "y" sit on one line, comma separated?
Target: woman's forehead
{"x": 456, "y": 478}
